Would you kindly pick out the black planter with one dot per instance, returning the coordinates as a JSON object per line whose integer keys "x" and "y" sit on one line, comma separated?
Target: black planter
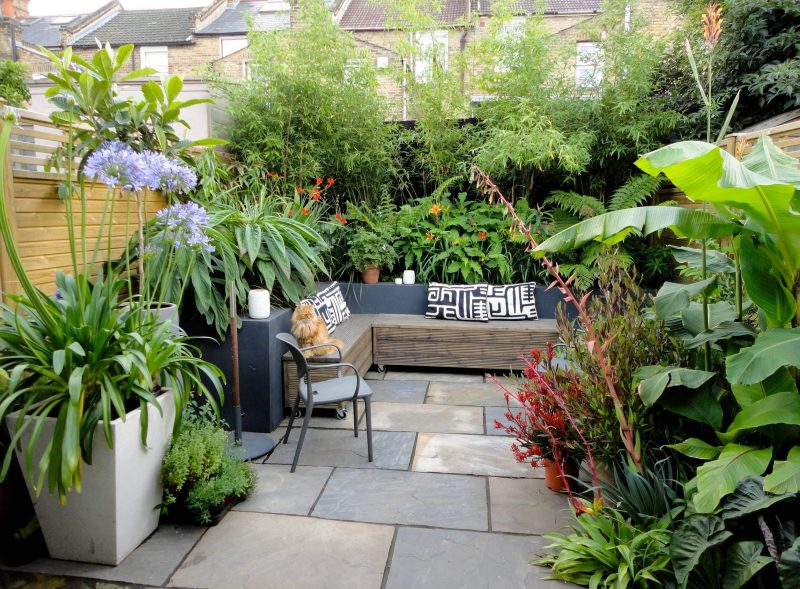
{"x": 260, "y": 370}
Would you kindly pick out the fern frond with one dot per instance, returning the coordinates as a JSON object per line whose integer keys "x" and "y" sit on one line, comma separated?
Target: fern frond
{"x": 444, "y": 187}
{"x": 582, "y": 205}
{"x": 561, "y": 219}
{"x": 635, "y": 191}
{"x": 584, "y": 275}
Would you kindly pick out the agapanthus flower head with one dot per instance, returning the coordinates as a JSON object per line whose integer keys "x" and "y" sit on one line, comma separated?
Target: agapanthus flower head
{"x": 168, "y": 175}
{"x": 115, "y": 164}
{"x": 185, "y": 224}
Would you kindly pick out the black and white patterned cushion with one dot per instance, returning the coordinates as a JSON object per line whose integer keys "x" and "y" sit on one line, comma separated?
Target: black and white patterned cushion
{"x": 512, "y": 301}
{"x": 329, "y": 304}
{"x": 322, "y": 310}
{"x": 460, "y": 302}
{"x": 334, "y": 299}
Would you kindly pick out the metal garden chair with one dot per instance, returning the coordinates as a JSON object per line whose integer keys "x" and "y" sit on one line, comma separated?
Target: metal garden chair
{"x": 335, "y": 390}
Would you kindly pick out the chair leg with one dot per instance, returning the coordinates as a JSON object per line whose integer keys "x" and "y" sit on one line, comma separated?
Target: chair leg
{"x": 355, "y": 417}
{"x": 368, "y": 416}
{"x": 306, "y": 420}
{"x": 295, "y": 409}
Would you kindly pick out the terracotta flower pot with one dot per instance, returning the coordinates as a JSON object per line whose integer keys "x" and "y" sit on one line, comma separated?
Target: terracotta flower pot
{"x": 554, "y": 480}
{"x": 371, "y": 275}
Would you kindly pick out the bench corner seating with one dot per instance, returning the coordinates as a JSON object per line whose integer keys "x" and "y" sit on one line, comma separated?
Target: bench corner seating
{"x": 389, "y": 339}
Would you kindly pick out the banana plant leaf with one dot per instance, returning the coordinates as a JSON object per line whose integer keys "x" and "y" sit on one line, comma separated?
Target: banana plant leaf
{"x": 718, "y": 478}
{"x": 785, "y": 475}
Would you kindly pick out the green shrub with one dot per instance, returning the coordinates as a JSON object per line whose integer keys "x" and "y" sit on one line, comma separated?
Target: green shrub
{"x": 369, "y": 249}
{"x": 200, "y": 471}
{"x": 13, "y": 88}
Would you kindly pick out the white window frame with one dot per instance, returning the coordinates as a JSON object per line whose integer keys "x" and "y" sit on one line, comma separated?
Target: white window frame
{"x": 222, "y": 45}
{"x": 425, "y": 41}
{"x": 150, "y": 49}
{"x": 588, "y": 64}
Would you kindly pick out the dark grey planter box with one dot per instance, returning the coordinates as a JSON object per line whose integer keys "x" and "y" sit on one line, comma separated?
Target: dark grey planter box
{"x": 260, "y": 370}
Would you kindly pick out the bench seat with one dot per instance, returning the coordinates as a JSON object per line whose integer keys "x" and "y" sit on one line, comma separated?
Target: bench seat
{"x": 389, "y": 339}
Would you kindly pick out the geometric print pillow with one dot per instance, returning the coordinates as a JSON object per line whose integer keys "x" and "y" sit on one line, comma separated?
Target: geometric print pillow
{"x": 329, "y": 304}
{"x": 459, "y": 302}
{"x": 512, "y": 301}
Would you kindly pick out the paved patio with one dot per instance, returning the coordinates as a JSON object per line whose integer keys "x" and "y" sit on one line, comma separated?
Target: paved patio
{"x": 443, "y": 506}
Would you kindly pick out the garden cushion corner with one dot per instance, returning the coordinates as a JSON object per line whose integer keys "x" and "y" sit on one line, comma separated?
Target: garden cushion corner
{"x": 512, "y": 301}
{"x": 457, "y": 302}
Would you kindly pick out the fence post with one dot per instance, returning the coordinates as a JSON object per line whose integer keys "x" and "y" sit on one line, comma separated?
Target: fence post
{"x": 9, "y": 283}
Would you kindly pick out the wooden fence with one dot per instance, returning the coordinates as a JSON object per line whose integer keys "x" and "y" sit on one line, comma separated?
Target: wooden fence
{"x": 39, "y": 218}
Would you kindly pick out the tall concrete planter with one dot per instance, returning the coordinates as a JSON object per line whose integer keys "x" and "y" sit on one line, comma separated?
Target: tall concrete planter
{"x": 117, "y": 508}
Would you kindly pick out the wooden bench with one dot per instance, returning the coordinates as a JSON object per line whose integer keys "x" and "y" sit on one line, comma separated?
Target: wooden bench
{"x": 412, "y": 340}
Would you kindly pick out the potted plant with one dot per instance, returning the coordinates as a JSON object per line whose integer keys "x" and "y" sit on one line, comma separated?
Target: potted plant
{"x": 94, "y": 388}
{"x": 203, "y": 477}
{"x": 546, "y": 430}
{"x": 369, "y": 251}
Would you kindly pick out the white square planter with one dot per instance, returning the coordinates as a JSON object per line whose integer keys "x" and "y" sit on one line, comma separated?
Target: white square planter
{"x": 117, "y": 508}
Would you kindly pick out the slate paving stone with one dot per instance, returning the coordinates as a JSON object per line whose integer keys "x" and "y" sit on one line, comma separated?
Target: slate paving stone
{"x": 404, "y": 417}
{"x": 410, "y": 498}
{"x": 328, "y": 447}
{"x": 398, "y": 391}
{"x": 257, "y": 550}
{"x": 451, "y": 559}
{"x": 150, "y": 564}
{"x": 527, "y": 506}
{"x": 374, "y": 375}
{"x": 433, "y": 376}
{"x": 16, "y": 580}
{"x": 479, "y": 394}
{"x": 280, "y": 491}
{"x": 492, "y": 414}
{"x": 325, "y": 418}
{"x": 469, "y": 454}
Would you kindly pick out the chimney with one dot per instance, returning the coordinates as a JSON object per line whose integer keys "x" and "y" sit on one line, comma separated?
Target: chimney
{"x": 8, "y": 8}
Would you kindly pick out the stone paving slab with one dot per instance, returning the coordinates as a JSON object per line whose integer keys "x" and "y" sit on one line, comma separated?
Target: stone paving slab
{"x": 479, "y": 394}
{"x": 410, "y": 498}
{"x": 374, "y": 375}
{"x": 468, "y": 454}
{"x": 433, "y": 376}
{"x": 398, "y": 391}
{"x": 150, "y": 564}
{"x": 328, "y": 447}
{"x": 280, "y": 491}
{"x": 497, "y": 413}
{"x": 256, "y": 550}
{"x": 527, "y": 506}
{"x": 450, "y": 559}
{"x": 403, "y": 417}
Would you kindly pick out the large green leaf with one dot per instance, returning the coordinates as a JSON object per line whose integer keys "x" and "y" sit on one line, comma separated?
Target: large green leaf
{"x": 744, "y": 560}
{"x": 750, "y": 497}
{"x": 764, "y": 282}
{"x": 698, "y": 405}
{"x": 696, "y": 534}
{"x": 716, "y": 261}
{"x": 783, "y": 408}
{"x": 761, "y": 186}
{"x": 696, "y": 448}
{"x": 717, "y": 478}
{"x": 656, "y": 379}
{"x": 673, "y": 297}
{"x": 773, "y": 349}
{"x": 725, "y": 330}
{"x": 789, "y": 566}
{"x": 615, "y": 226}
{"x": 785, "y": 475}
{"x": 779, "y": 382}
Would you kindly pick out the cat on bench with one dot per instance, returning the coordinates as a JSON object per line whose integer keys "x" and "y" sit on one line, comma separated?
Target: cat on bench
{"x": 309, "y": 329}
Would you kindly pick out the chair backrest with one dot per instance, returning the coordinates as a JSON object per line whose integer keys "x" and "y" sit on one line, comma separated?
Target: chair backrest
{"x": 297, "y": 354}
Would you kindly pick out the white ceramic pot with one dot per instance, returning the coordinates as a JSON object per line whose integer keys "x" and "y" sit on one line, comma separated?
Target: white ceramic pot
{"x": 118, "y": 507}
{"x": 258, "y": 303}
{"x": 409, "y": 276}
{"x": 398, "y": 281}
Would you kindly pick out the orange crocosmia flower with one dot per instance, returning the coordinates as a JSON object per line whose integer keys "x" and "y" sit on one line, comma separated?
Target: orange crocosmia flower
{"x": 290, "y": 212}
{"x": 482, "y": 235}
{"x": 435, "y": 210}
{"x": 343, "y": 220}
{"x": 318, "y": 181}
{"x": 429, "y": 235}
{"x": 299, "y": 189}
{"x": 305, "y": 211}
{"x": 315, "y": 194}
{"x": 330, "y": 182}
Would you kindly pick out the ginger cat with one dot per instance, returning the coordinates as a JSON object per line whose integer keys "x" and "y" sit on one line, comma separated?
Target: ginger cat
{"x": 309, "y": 329}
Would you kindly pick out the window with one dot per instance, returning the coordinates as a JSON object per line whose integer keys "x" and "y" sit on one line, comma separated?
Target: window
{"x": 430, "y": 49}
{"x": 231, "y": 45}
{"x": 156, "y": 58}
{"x": 589, "y": 64}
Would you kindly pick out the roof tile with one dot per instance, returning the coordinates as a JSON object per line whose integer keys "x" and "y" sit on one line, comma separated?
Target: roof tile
{"x": 366, "y": 15}
{"x": 162, "y": 26}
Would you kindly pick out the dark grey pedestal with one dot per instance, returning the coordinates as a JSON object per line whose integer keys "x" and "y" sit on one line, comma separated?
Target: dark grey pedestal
{"x": 260, "y": 370}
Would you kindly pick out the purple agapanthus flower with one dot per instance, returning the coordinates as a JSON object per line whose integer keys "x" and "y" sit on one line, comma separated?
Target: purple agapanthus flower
{"x": 186, "y": 224}
{"x": 116, "y": 164}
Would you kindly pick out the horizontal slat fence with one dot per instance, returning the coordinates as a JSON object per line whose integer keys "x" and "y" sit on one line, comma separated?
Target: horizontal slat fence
{"x": 39, "y": 218}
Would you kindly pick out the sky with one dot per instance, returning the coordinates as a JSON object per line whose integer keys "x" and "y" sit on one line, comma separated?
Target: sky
{"x": 59, "y": 7}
